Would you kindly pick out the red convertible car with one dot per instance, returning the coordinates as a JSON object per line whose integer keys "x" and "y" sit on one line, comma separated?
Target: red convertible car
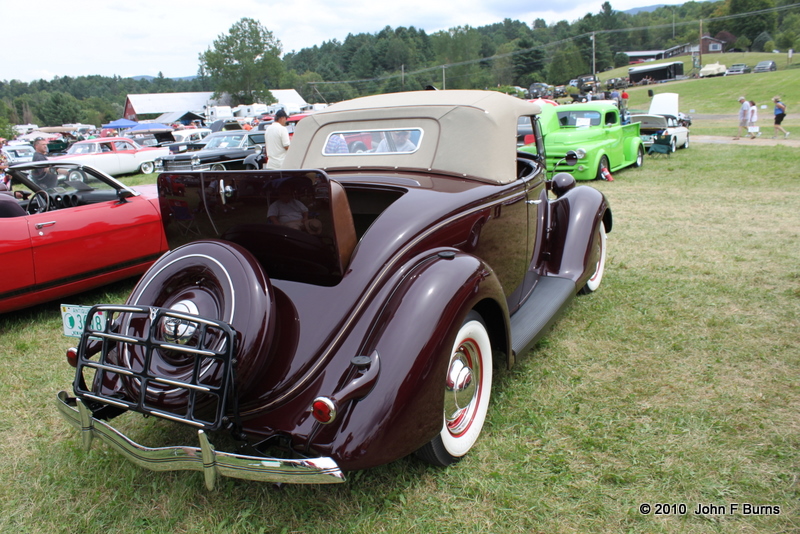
{"x": 76, "y": 229}
{"x": 349, "y": 309}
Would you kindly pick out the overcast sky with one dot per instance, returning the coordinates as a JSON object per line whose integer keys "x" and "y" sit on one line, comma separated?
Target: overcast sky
{"x": 52, "y": 38}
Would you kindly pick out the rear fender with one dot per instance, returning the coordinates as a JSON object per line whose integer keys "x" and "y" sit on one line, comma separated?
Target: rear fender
{"x": 413, "y": 335}
{"x": 573, "y": 218}
{"x": 632, "y": 141}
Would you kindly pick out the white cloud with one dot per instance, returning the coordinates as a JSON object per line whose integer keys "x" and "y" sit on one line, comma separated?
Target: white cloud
{"x": 151, "y": 36}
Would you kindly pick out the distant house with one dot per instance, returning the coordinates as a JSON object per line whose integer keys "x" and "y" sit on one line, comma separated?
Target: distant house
{"x": 639, "y": 56}
{"x": 710, "y": 45}
{"x": 160, "y": 103}
{"x": 678, "y": 50}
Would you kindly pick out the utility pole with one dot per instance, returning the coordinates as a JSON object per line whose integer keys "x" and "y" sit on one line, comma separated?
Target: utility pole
{"x": 700, "y": 48}
{"x": 673, "y": 22}
{"x": 594, "y": 67}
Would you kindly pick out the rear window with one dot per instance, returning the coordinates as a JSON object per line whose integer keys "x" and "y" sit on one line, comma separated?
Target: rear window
{"x": 365, "y": 142}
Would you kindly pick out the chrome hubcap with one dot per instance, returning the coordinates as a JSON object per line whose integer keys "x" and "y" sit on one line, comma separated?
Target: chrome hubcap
{"x": 461, "y": 389}
{"x": 178, "y": 330}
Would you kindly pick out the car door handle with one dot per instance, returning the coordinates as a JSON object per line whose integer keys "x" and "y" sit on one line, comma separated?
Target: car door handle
{"x": 537, "y": 201}
{"x": 39, "y": 226}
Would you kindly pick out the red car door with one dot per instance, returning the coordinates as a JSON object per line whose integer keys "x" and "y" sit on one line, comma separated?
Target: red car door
{"x": 15, "y": 257}
{"x": 93, "y": 240}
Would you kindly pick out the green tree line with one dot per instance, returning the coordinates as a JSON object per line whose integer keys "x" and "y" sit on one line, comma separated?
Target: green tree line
{"x": 246, "y": 62}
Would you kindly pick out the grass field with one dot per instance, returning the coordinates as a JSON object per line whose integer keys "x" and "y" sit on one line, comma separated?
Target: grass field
{"x": 675, "y": 383}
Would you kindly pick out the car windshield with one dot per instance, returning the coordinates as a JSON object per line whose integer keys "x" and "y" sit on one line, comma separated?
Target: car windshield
{"x": 19, "y": 151}
{"x": 396, "y": 140}
{"x": 62, "y": 180}
{"x": 578, "y": 119}
{"x": 225, "y": 141}
{"x": 83, "y": 148}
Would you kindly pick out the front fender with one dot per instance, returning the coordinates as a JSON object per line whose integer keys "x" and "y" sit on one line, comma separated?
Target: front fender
{"x": 574, "y": 217}
{"x": 413, "y": 334}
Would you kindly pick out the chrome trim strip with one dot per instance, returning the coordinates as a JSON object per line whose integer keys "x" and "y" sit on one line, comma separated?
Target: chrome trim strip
{"x": 184, "y": 348}
{"x": 107, "y": 401}
{"x": 180, "y": 384}
{"x": 115, "y": 337}
{"x": 175, "y": 418}
{"x": 203, "y": 458}
{"x": 110, "y": 368}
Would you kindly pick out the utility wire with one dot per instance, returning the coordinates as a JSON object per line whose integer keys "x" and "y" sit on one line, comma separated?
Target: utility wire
{"x": 554, "y": 43}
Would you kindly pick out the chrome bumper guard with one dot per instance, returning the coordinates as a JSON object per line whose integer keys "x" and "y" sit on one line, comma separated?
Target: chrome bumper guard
{"x": 204, "y": 458}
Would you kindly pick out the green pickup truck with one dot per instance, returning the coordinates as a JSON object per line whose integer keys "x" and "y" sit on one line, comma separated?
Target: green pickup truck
{"x": 593, "y": 129}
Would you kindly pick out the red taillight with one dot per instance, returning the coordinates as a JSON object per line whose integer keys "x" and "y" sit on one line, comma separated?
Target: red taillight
{"x": 323, "y": 410}
{"x": 72, "y": 356}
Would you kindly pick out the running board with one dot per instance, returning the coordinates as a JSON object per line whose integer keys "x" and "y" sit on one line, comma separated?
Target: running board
{"x": 546, "y": 302}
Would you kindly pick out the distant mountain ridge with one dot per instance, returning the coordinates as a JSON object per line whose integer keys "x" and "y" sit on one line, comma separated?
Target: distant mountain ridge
{"x": 646, "y": 9}
{"x": 151, "y": 78}
{"x": 650, "y": 9}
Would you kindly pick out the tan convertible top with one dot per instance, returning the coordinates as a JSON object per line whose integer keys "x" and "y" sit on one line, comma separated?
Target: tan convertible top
{"x": 465, "y": 133}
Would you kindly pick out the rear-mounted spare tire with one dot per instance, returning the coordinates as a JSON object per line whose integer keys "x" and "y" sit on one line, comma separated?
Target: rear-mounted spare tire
{"x": 215, "y": 280}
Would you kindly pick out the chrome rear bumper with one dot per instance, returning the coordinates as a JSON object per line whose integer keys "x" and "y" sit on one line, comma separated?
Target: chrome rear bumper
{"x": 204, "y": 458}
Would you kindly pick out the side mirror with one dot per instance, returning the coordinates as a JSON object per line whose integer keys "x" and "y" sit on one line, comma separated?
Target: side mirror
{"x": 571, "y": 158}
{"x": 124, "y": 194}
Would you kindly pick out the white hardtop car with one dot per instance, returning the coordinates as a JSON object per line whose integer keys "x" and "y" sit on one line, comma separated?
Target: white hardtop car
{"x": 663, "y": 118}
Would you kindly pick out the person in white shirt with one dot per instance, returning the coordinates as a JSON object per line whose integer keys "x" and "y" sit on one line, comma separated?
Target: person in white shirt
{"x": 401, "y": 142}
{"x": 744, "y": 116}
{"x": 276, "y": 139}
{"x": 288, "y": 211}
{"x": 752, "y": 125}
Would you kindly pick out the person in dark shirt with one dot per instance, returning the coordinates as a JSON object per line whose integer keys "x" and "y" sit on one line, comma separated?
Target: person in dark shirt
{"x": 44, "y": 178}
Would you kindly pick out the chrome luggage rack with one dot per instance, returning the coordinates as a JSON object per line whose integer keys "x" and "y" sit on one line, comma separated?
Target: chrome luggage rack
{"x": 109, "y": 367}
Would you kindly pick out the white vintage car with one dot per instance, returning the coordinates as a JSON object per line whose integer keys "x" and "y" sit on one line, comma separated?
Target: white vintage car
{"x": 713, "y": 69}
{"x": 662, "y": 119}
{"x": 114, "y": 155}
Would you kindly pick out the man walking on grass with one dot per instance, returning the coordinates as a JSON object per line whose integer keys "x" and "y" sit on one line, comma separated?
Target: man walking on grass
{"x": 744, "y": 116}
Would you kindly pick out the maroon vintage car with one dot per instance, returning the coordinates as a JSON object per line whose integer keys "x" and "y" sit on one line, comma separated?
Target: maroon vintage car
{"x": 76, "y": 229}
{"x": 349, "y": 310}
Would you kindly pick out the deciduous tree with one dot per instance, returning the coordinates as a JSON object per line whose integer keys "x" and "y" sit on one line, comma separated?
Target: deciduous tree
{"x": 244, "y": 62}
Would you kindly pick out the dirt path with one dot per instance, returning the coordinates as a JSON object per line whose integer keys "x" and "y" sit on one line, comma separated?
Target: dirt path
{"x": 764, "y": 140}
